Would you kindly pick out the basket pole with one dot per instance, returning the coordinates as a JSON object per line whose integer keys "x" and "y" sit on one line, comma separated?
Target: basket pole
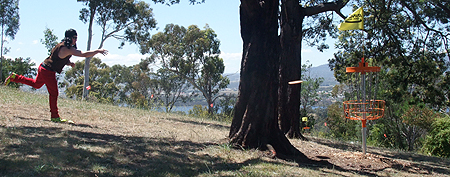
{"x": 363, "y": 122}
{"x": 353, "y": 110}
{"x": 364, "y": 128}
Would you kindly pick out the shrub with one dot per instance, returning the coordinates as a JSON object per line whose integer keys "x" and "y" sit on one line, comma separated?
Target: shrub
{"x": 199, "y": 111}
{"x": 437, "y": 142}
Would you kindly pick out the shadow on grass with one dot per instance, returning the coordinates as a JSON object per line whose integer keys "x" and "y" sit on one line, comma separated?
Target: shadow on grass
{"x": 52, "y": 151}
{"x": 218, "y": 126}
{"x": 39, "y": 151}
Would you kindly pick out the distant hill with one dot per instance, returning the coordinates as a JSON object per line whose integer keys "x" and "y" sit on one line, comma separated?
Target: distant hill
{"x": 318, "y": 71}
{"x": 325, "y": 72}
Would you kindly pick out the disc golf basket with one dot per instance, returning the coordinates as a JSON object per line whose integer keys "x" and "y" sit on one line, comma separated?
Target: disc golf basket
{"x": 363, "y": 104}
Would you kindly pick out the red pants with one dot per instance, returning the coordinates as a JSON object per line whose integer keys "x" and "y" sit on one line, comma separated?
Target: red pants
{"x": 48, "y": 78}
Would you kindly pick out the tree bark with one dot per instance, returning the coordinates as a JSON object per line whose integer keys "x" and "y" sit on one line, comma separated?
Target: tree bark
{"x": 290, "y": 68}
{"x": 255, "y": 123}
{"x": 87, "y": 60}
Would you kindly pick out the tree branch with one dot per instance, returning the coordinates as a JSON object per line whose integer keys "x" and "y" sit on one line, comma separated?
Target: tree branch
{"x": 446, "y": 10}
{"x": 417, "y": 17}
{"x": 329, "y": 6}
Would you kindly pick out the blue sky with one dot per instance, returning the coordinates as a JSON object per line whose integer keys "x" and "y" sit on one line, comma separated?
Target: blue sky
{"x": 222, "y": 16}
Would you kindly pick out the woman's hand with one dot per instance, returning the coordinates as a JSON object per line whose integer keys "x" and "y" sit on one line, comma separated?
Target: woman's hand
{"x": 102, "y": 51}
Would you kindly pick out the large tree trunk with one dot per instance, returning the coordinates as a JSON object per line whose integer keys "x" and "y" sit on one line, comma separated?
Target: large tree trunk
{"x": 290, "y": 68}
{"x": 255, "y": 123}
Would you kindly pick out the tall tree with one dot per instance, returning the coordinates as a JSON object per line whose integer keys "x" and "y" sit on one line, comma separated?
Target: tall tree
{"x": 133, "y": 18}
{"x": 255, "y": 123}
{"x": 193, "y": 54}
{"x": 170, "y": 88}
{"x": 9, "y": 12}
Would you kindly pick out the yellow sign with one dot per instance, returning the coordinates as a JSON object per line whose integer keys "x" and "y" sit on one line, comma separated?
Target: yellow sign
{"x": 354, "y": 21}
{"x": 304, "y": 119}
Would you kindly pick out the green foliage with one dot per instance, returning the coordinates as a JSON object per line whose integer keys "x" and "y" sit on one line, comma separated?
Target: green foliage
{"x": 50, "y": 40}
{"x": 416, "y": 121}
{"x": 222, "y": 111}
{"x": 19, "y": 66}
{"x": 170, "y": 88}
{"x": 199, "y": 111}
{"x": 309, "y": 91}
{"x": 224, "y": 108}
{"x": 10, "y": 25}
{"x": 192, "y": 54}
{"x": 404, "y": 126}
{"x": 410, "y": 49}
{"x": 340, "y": 127}
{"x": 438, "y": 140}
{"x": 9, "y": 12}
{"x": 380, "y": 136}
{"x": 103, "y": 87}
{"x": 409, "y": 41}
{"x": 133, "y": 18}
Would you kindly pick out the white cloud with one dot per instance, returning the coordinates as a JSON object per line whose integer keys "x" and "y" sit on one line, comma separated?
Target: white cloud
{"x": 232, "y": 62}
{"x": 35, "y": 42}
{"x": 127, "y": 60}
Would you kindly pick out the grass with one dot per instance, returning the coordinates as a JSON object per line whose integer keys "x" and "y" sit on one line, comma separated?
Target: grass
{"x": 117, "y": 141}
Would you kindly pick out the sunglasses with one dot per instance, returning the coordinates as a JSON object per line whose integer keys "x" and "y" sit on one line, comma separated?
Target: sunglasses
{"x": 74, "y": 37}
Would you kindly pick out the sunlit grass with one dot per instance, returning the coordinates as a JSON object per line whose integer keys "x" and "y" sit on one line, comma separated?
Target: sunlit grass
{"x": 118, "y": 141}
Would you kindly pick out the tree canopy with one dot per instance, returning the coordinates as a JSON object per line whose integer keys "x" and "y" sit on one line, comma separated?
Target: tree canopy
{"x": 9, "y": 12}
{"x": 409, "y": 41}
{"x": 193, "y": 54}
{"x": 133, "y": 18}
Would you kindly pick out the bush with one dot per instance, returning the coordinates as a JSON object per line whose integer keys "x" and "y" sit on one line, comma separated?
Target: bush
{"x": 437, "y": 142}
{"x": 202, "y": 112}
{"x": 199, "y": 111}
{"x": 340, "y": 127}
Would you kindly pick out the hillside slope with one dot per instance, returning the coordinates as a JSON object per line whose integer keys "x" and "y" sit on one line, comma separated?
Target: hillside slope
{"x": 116, "y": 141}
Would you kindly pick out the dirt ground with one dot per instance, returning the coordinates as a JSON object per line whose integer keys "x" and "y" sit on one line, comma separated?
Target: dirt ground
{"x": 349, "y": 157}
{"x": 342, "y": 156}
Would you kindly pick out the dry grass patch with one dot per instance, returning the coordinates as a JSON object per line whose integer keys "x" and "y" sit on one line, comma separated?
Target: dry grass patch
{"x": 116, "y": 141}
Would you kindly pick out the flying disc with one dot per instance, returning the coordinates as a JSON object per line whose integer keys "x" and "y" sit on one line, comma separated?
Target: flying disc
{"x": 295, "y": 82}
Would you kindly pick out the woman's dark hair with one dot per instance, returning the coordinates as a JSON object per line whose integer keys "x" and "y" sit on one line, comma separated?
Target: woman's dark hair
{"x": 68, "y": 37}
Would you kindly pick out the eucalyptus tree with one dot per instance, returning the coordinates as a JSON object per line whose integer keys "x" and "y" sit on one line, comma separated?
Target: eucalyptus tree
{"x": 124, "y": 20}
{"x": 170, "y": 88}
{"x": 9, "y": 12}
{"x": 193, "y": 54}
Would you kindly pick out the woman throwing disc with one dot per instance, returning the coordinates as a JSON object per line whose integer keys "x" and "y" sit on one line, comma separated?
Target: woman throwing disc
{"x": 59, "y": 57}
